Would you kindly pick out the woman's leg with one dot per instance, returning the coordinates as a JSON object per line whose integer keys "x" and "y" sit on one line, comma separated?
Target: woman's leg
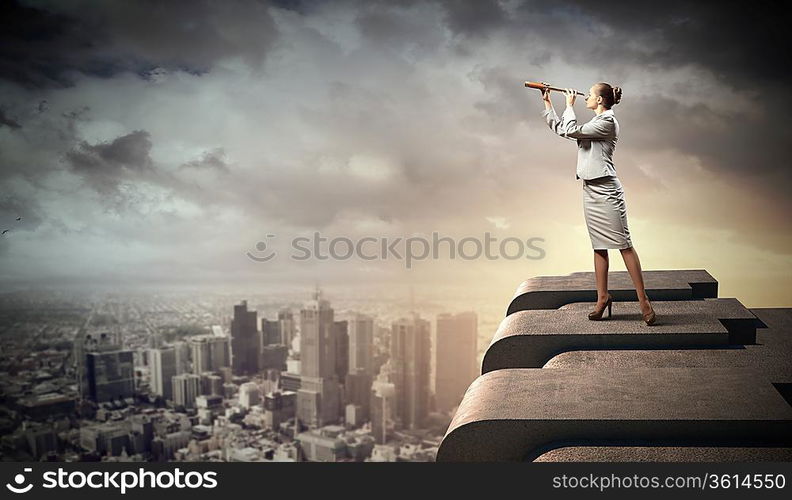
{"x": 633, "y": 264}
{"x": 601, "y": 272}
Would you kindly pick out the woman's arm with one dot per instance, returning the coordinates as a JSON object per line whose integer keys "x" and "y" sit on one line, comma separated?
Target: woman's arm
{"x": 596, "y": 129}
{"x": 553, "y": 122}
{"x": 549, "y": 113}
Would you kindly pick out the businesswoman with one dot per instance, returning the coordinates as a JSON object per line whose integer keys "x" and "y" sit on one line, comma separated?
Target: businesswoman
{"x": 604, "y": 205}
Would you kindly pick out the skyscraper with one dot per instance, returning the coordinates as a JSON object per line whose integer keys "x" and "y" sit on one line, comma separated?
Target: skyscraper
{"x": 342, "y": 349}
{"x": 273, "y": 356}
{"x": 162, "y": 367}
{"x": 186, "y": 387}
{"x": 383, "y": 402}
{"x": 357, "y": 392}
{"x": 455, "y": 357}
{"x": 209, "y": 353}
{"x": 317, "y": 342}
{"x": 273, "y": 353}
{"x": 244, "y": 341}
{"x": 410, "y": 360}
{"x": 361, "y": 340}
{"x": 278, "y": 407}
{"x": 82, "y": 346}
{"x": 288, "y": 328}
{"x": 270, "y": 332}
{"x": 182, "y": 350}
{"x": 110, "y": 375}
{"x": 318, "y": 399}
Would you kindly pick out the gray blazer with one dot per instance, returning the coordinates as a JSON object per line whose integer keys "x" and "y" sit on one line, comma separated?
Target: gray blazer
{"x": 596, "y": 140}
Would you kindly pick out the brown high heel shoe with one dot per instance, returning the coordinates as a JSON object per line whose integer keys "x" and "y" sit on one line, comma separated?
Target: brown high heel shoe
{"x": 649, "y": 317}
{"x": 597, "y": 314}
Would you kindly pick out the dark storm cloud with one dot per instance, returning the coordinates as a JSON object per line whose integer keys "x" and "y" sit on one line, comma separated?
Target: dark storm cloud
{"x": 301, "y": 6}
{"x": 474, "y": 18}
{"x": 728, "y": 141}
{"x": 105, "y": 165}
{"x": 7, "y": 120}
{"x": 214, "y": 159}
{"x": 744, "y": 44}
{"x": 37, "y": 46}
{"x": 42, "y": 44}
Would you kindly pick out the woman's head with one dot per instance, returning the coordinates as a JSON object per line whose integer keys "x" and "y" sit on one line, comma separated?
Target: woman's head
{"x": 603, "y": 93}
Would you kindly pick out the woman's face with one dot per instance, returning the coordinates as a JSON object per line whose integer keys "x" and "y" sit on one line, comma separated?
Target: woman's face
{"x": 591, "y": 99}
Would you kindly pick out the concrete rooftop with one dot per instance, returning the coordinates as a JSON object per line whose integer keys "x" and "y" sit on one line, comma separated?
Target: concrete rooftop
{"x": 710, "y": 381}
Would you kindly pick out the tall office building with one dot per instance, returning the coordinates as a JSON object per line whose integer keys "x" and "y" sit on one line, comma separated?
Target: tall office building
{"x": 278, "y": 407}
{"x": 410, "y": 361}
{"x": 209, "y": 353}
{"x": 200, "y": 354}
{"x": 244, "y": 341}
{"x": 273, "y": 356}
{"x": 211, "y": 384}
{"x": 455, "y": 357}
{"x": 182, "y": 350}
{"x": 319, "y": 396}
{"x": 110, "y": 375}
{"x": 342, "y": 349}
{"x": 186, "y": 387}
{"x": 287, "y": 326}
{"x": 361, "y": 340}
{"x": 357, "y": 392}
{"x": 162, "y": 368}
{"x": 270, "y": 332}
{"x": 317, "y": 342}
{"x": 84, "y": 344}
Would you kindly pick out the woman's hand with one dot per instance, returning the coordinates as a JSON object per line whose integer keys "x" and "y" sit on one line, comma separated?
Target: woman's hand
{"x": 570, "y": 97}
{"x": 546, "y": 94}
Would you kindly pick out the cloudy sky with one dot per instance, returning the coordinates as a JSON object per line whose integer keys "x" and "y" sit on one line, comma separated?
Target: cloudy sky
{"x": 156, "y": 143}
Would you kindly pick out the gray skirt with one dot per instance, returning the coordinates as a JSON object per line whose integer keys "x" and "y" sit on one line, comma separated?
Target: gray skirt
{"x": 606, "y": 213}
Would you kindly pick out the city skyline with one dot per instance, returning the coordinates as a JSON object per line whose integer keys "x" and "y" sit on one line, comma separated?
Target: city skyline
{"x": 157, "y": 385}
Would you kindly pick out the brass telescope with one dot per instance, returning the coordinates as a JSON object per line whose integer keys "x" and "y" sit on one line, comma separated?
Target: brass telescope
{"x": 542, "y": 86}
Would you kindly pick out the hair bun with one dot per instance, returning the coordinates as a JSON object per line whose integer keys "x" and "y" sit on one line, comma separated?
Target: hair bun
{"x": 617, "y": 94}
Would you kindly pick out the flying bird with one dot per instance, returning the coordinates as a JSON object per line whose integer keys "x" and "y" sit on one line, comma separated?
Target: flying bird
{"x": 19, "y": 218}
{"x": 5, "y": 231}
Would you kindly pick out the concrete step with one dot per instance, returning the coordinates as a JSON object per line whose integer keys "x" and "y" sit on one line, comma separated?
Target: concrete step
{"x": 552, "y": 292}
{"x": 772, "y": 355}
{"x": 529, "y": 339}
{"x": 520, "y": 414}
